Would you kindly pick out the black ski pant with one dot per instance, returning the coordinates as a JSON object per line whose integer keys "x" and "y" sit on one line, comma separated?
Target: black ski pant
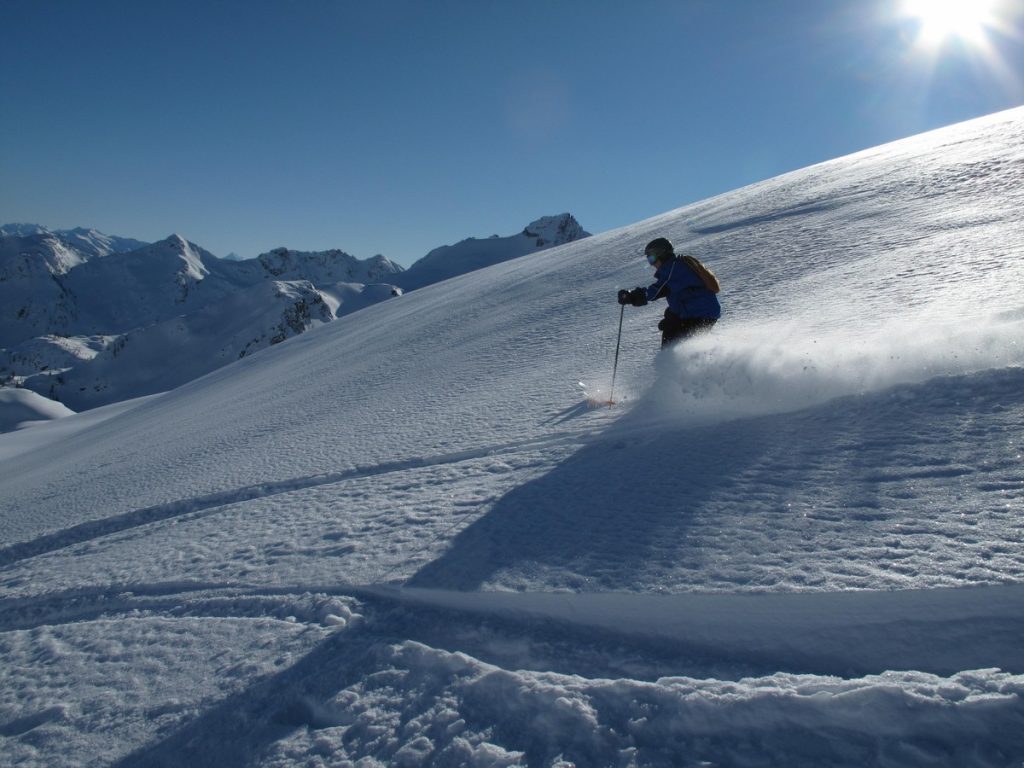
{"x": 675, "y": 328}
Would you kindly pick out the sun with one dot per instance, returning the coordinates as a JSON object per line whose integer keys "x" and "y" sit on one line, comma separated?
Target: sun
{"x": 942, "y": 20}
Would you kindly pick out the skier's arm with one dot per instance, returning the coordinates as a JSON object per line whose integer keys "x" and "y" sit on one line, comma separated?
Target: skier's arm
{"x": 657, "y": 291}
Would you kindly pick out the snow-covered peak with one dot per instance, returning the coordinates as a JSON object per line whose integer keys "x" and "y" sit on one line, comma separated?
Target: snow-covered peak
{"x": 472, "y": 254}
{"x": 327, "y": 267}
{"x": 549, "y": 231}
{"x": 195, "y": 258}
{"x": 92, "y": 243}
{"x": 128, "y": 290}
{"x": 88, "y": 243}
{"x": 21, "y": 254}
{"x": 32, "y": 299}
{"x": 22, "y": 230}
{"x": 174, "y": 243}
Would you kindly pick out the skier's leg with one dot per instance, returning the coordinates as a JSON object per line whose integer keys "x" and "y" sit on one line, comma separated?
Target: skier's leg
{"x": 671, "y": 327}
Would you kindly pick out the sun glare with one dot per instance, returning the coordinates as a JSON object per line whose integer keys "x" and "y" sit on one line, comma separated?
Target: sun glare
{"x": 942, "y": 20}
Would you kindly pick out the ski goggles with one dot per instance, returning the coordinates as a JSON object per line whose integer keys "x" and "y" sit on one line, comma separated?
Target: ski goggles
{"x": 652, "y": 258}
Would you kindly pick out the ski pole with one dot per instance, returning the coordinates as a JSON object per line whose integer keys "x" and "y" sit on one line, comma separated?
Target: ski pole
{"x": 615, "y": 367}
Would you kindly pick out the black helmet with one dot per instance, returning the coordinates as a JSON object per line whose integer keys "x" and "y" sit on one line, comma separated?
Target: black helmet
{"x": 659, "y": 249}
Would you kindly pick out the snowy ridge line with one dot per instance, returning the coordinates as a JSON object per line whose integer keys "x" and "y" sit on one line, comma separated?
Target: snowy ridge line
{"x": 941, "y": 631}
{"x": 86, "y": 603}
{"x": 96, "y": 529}
{"x": 178, "y": 599}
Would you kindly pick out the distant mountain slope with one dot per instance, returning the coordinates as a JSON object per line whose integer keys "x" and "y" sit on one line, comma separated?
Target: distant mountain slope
{"x": 33, "y": 301}
{"x": 324, "y": 267}
{"x": 90, "y": 318}
{"x": 138, "y": 288}
{"x": 97, "y": 244}
{"x": 87, "y": 322}
{"x": 89, "y": 243}
{"x": 164, "y": 355}
{"x": 35, "y": 264}
{"x": 471, "y": 254}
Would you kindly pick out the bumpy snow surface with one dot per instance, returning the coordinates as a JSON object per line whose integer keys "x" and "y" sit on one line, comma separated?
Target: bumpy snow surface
{"x": 405, "y": 539}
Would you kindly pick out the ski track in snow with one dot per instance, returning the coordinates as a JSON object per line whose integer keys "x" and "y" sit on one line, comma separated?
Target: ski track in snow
{"x": 97, "y": 529}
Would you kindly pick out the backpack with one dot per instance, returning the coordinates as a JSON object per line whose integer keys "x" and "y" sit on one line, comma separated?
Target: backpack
{"x": 706, "y": 275}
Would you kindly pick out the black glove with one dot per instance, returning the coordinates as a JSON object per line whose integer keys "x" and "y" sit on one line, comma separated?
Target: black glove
{"x": 638, "y": 297}
{"x": 624, "y": 297}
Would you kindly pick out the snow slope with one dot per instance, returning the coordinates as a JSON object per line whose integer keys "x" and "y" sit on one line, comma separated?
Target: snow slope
{"x": 23, "y": 408}
{"x": 403, "y": 537}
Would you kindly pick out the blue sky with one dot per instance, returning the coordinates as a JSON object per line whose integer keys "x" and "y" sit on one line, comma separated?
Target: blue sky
{"x": 396, "y": 127}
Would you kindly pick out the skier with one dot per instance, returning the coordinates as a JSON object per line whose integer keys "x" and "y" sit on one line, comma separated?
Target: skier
{"x": 692, "y": 307}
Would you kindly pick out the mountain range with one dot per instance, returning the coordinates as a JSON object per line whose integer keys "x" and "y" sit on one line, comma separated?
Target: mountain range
{"x": 89, "y": 319}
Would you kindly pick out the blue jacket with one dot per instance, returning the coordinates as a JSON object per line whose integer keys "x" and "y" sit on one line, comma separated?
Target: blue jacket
{"x": 682, "y": 287}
